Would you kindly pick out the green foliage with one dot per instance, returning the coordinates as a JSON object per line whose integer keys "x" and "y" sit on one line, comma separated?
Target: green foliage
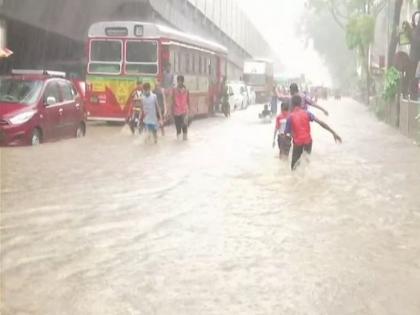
{"x": 328, "y": 39}
{"x": 392, "y": 80}
{"x": 335, "y": 26}
{"x": 360, "y": 31}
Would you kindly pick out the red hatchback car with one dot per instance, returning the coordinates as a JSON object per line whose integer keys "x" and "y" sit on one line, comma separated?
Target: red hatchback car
{"x": 38, "y": 106}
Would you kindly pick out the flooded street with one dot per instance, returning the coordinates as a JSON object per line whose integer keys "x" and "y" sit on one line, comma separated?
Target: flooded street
{"x": 217, "y": 225}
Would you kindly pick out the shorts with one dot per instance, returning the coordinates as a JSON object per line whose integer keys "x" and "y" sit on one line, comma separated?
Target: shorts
{"x": 151, "y": 127}
{"x": 284, "y": 142}
{"x": 297, "y": 152}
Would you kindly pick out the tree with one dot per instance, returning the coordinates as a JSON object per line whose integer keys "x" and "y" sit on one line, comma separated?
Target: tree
{"x": 357, "y": 19}
{"x": 394, "y": 32}
{"x": 328, "y": 39}
{"x": 360, "y": 34}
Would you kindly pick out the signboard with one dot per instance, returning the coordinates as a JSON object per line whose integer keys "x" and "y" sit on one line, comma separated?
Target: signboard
{"x": 253, "y": 67}
{"x": 138, "y": 30}
{"x": 116, "y": 31}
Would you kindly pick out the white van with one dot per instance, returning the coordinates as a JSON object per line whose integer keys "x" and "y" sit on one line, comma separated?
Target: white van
{"x": 238, "y": 95}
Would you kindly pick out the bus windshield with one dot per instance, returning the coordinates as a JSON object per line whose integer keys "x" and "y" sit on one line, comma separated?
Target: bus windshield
{"x": 142, "y": 57}
{"x": 255, "y": 79}
{"x": 105, "y": 56}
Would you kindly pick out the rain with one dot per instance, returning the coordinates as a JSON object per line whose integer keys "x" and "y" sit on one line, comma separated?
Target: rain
{"x": 147, "y": 157}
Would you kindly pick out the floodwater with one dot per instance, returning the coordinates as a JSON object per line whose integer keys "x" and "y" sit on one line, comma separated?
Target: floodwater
{"x": 217, "y": 225}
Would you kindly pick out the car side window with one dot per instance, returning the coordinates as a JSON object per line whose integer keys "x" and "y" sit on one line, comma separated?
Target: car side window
{"x": 68, "y": 91}
{"x": 52, "y": 90}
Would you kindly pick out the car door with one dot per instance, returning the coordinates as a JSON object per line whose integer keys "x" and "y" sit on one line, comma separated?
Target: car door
{"x": 53, "y": 111}
{"x": 71, "y": 105}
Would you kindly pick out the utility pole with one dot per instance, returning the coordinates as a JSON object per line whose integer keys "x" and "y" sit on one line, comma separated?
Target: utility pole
{"x": 368, "y": 60}
{"x": 388, "y": 15}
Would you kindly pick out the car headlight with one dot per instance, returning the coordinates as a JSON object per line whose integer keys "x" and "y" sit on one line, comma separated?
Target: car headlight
{"x": 22, "y": 117}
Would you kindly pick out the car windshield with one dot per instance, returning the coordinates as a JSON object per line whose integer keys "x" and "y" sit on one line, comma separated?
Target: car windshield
{"x": 14, "y": 90}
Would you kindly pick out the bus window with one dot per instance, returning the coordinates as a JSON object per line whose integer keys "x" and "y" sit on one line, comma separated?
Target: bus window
{"x": 222, "y": 67}
{"x": 196, "y": 64}
{"x": 213, "y": 67}
{"x": 204, "y": 65}
{"x": 174, "y": 61}
{"x": 193, "y": 63}
{"x": 180, "y": 62}
{"x": 142, "y": 57}
{"x": 105, "y": 56}
{"x": 187, "y": 63}
{"x": 210, "y": 68}
{"x": 177, "y": 61}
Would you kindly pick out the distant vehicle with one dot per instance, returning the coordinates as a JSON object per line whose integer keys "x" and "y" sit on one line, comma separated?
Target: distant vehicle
{"x": 251, "y": 95}
{"x": 319, "y": 92}
{"x": 337, "y": 94}
{"x": 259, "y": 74}
{"x": 238, "y": 95}
{"x": 38, "y": 106}
{"x": 122, "y": 53}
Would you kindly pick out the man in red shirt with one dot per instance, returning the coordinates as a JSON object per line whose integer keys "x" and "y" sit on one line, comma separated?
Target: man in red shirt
{"x": 299, "y": 127}
{"x": 180, "y": 108}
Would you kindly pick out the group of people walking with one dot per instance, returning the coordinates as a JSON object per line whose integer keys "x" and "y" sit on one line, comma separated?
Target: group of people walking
{"x": 292, "y": 126}
{"x": 149, "y": 108}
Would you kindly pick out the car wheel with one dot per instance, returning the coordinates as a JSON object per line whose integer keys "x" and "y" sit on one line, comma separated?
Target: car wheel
{"x": 81, "y": 130}
{"x": 36, "y": 137}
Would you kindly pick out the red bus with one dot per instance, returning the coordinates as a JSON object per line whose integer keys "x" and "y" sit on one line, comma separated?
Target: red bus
{"x": 121, "y": 53}
{"x": 259, "y": 73}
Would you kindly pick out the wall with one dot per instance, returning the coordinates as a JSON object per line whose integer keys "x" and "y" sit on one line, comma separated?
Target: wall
{"x": 231, "y": 20}
{"x": 408, "y": 124}
{"x": 401, "y": 115}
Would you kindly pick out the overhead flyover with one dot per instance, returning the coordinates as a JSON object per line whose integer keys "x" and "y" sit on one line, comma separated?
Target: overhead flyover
{"x": 44, "y": 33}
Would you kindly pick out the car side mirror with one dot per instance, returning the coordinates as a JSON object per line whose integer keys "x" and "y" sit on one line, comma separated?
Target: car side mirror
{"x": 50, "y": 101}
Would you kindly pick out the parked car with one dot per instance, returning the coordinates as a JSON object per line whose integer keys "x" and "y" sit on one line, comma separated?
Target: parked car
{"x": 38, "y": 106}
{"x": 238, "y": 95}
{"x": 251, "y": 95}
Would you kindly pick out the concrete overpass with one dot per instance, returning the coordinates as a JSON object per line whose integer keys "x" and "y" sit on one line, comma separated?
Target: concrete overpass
{"x": 51, "y": 33}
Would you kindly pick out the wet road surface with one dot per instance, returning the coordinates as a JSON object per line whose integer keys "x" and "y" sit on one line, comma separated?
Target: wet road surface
{"x": 218, "y": 225}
